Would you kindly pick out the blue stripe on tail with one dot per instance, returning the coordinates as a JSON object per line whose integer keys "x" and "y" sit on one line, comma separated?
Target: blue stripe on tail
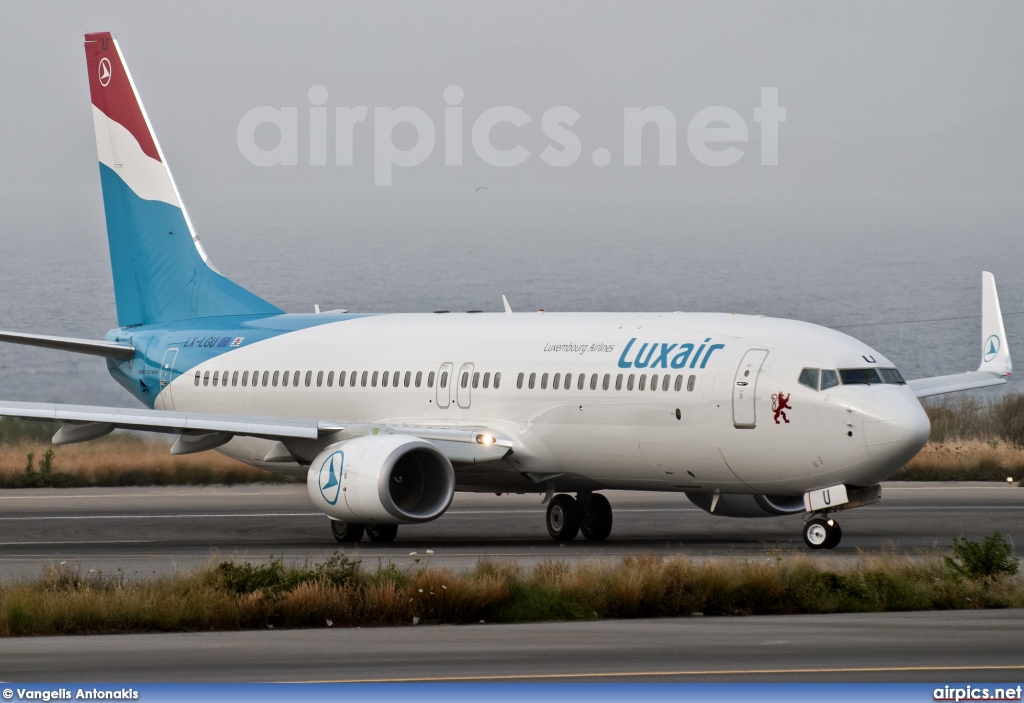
{"x": 159, "y": 275}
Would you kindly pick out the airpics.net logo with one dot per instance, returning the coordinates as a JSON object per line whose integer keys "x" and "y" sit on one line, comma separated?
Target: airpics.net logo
{"x": 716, "y": 136}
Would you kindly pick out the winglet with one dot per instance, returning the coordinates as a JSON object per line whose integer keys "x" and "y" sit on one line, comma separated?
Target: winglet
{"x": 995, "y": 351}
{"x": 508, "y": 308}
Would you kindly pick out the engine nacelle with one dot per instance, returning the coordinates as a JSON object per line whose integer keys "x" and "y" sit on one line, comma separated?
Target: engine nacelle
{"x": 382, "y": 480}
{"x": 737, "y": 505}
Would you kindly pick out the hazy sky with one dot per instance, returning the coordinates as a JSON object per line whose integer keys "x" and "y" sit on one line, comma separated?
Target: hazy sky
{"x": 899, "y": 169}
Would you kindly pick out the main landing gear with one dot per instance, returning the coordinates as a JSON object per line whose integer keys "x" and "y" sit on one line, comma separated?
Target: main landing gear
{"x": 351, "y": 532}
{"x": 822, "y": 532}
{"x": 589, "y": 513}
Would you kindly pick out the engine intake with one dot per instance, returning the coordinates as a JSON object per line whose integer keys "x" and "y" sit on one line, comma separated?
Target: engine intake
{"x": 385, "y": 479}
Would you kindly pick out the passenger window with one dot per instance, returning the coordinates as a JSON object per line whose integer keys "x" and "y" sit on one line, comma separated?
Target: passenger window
{"x": 206, "y": 378}
{"x": 245, "y": 379}
{"x": 533, "y": 380}
{"x": 568, "y": 381}
{"x": 593, "y": 382}
{"x": 284, "y": 379}
{"x": 829, "y": 379}
{"x": 618, "y": 382}
{"x": 430, "y": 380}
{"x": 363, "y": 379}
{"x": 198, "y": 374}
{"x": 465, "y": 378}
{"x": 654, "y": 381}
{"x": 215, "y": 375}
{"x": 519, "y": 380}
{"x": 395, "y": 378}
{"x": 607, "y": 380}
{"x": 330, "y": 379}
{"x": 809, "y": 378}
{"x": 384, "y": 380}
{"x": 544, "y": 382}
{"x": 444, "y": 379}
{"x": 341, "y": 379}
{"x": 497, "y": 379}
{"x": 679, "y": 383}
{"x": 665, "y": 382}
{"x": 277, "y": 377}
{"x": 643, "y": 382}
{"x": 691, "y": 383}
{"x": 266, "y": 378}
{"x": 554, "y": 383}
{"x": 319, "y": 379}
{"x": 295, "y": 378}
{"x": 234, "y": 379}
{"x": 629, "y": 382}
{"x": 476, "y": 379}
{"x": 487, "y": 378}
{"x": 419, "y": 377}
{"x": 408, "y": 378}
{"x": 373, "y": 381}
{"x": 581, "y": 382}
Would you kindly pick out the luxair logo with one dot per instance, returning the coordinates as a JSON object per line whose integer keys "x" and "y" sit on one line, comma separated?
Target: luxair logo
{"x": 654, "y": 355}
{"x": 991, "y": 348}
{"x": 330, "y": 477}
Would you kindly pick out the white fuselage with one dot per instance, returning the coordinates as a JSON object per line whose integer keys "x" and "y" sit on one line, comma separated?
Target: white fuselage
{"x": 711, "y": 426}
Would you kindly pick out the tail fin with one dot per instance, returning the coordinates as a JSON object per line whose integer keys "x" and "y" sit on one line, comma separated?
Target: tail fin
{"x": 995, "y": 350}
{"x": 161, "y": 273}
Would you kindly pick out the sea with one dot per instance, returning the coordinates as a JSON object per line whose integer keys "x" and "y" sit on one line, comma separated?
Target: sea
{"x": 899, "y": 271}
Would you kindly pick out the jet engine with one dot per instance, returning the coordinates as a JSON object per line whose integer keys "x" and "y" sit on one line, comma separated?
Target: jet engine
{"x": 381, "y": 480}
{"x": 737, "y": 505}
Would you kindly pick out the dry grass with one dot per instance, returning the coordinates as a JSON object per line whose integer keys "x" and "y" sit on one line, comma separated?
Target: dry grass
{"x": 339, "y": 593}
{"x": 119, "y": 460}
{"x": 965, "y": 460}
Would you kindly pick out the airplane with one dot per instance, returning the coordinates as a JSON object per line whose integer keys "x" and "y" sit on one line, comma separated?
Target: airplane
{"x": 387, "y": 415}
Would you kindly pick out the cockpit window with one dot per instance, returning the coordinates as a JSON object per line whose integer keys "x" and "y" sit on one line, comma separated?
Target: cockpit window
{"x": 809, "y": 378}
{"x": 865, "y": 376}
{"x": 892, "y": 376}
{"x": 829, "y": 379}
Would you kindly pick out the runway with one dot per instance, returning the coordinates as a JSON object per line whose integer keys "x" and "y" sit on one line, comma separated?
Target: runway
{"x": 942, "y": 647}
{"x": 147, "y": 531}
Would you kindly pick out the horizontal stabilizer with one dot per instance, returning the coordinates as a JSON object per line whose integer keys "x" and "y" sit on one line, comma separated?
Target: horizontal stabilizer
{"x": 110, "y": 350}
{"x": 995, "y": 364}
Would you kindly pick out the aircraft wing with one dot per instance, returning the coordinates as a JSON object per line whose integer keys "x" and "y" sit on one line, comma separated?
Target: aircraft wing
{"x": 995, "y": 365}
{"x": 201, "y": 431}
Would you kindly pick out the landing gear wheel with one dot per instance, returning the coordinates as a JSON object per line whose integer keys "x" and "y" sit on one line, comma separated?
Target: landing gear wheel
{"x": 595, "y": 517}
{"x": 563, "y": 518}
{"x": 382, "y": 533}
{"x": 822, "y": 533}
{"x": 347, "y": 531}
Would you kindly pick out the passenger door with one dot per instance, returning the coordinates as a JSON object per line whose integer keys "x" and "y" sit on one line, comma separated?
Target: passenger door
{"x": 744, "y": 389}
{"x": 463, "y": 392}
{"x": 444, "y": 384}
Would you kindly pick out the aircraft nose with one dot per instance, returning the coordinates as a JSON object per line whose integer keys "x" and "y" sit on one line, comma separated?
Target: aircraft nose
{"x": 896, "y": 427}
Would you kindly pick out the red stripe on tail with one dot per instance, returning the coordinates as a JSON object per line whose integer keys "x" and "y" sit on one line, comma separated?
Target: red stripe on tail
{"x": 112, "y": 91}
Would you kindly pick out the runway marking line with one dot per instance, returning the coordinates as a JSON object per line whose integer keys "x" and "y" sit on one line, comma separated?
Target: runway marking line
{"x": 709, "y": 672}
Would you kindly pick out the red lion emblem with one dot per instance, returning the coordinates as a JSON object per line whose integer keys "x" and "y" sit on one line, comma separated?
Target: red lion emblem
{"x": 780, "y": 404}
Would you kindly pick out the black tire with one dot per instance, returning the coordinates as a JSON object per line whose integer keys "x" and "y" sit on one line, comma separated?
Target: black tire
{"x": 837, "y": 536}
{"x": 347, "y": 531}
{"x": 596, "y": 518}
{"x": 382, "y": 533}
{"x": 563, "y": 518}
{"x": 820, "y": 533}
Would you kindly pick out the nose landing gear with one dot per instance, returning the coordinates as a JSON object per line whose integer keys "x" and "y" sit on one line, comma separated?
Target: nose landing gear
{"x": 822, "y": 532}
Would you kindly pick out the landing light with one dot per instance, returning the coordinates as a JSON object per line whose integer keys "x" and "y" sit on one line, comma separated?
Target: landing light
{"x": 485, "y": 439}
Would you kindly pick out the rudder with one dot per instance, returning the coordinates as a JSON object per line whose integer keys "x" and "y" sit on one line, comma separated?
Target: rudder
{"x": 161, "y": 272}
